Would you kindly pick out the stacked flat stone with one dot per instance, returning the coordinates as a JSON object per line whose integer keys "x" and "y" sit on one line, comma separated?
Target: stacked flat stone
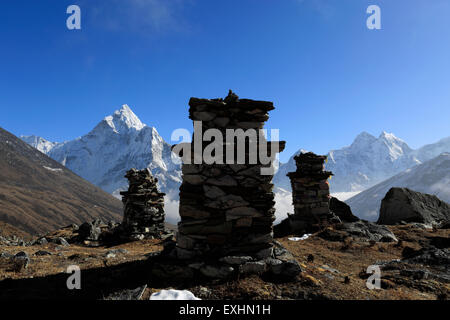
{"x": 227, "y": 209}
{"x": 143, "y": 206}
{"x": 310, "y": 191}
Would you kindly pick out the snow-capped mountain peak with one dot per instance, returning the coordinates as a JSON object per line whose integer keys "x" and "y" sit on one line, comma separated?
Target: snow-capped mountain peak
{"x": 368, "y": 161}
{"x": 119, "y": 142}
{"x": 39, "y": 143}
{"x": 396, "y": 146}
{"x": 123, "y": 120}
{"x": 388, "y": 136}
{"x": 363, "y": 138}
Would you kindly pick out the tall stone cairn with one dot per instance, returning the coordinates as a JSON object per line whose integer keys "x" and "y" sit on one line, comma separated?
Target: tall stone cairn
{"x": 227, "y": 209}
{"x": 310, "y": 192}
{"x": 143, "y": 206}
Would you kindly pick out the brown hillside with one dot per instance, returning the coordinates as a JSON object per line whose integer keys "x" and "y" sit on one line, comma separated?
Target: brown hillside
{"x": 7, "y": 230}
{"x": 37, "y": 194}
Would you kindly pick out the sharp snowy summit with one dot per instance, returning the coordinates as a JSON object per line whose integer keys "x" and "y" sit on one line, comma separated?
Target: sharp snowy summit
{"x": 124, "y": 120}
{"x": 118, "y": 142}
{"x": 367, "y": 161}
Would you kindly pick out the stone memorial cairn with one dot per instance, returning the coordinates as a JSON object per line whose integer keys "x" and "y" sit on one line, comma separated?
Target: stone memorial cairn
{"x": 227, "y": 209}
{"x": 143, "y": 207}
{"x": 310, "y": 193}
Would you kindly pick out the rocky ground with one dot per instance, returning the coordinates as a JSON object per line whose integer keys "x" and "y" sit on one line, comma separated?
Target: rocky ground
{"x": 333, "y": 262}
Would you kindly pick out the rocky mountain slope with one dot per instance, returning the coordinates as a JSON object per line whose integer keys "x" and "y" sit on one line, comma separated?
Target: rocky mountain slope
{"x": 368, "y": 161}
{"x": 7, "y": 230}
{"x": 432, "y": 177}
{"x": 38, "y": 194}
{"x": 119, "y": 142}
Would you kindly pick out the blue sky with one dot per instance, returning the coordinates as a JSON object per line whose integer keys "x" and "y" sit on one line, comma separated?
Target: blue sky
{"x": 328, "y": 75}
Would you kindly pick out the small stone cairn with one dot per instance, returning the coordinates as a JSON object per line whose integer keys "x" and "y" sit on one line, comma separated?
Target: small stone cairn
{"x": 310, "y": 195}
{"x": 143, "y": 207}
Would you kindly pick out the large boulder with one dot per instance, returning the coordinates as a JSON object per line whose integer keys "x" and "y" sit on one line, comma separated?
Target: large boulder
{"x": 404, "y": 205}
{"x": 342, "y": 210}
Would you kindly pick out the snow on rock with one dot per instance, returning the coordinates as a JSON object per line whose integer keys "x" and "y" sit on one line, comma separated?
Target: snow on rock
{"x": 173, "y": 295}
{"x": 304, "y": 237}
{"x": 53, "y": 169}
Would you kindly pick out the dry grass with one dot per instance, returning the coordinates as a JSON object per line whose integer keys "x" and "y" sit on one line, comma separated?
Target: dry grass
{"x": 62, "y": 257}
{"x": 324, "y": 278}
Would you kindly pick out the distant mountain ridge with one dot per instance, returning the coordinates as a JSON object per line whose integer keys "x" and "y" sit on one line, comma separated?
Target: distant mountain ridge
{"x": 368, "y": 161}
{"x": 121, "y": 141}
{"x": 431, "y": 177}
{"x": 38, "y": 194}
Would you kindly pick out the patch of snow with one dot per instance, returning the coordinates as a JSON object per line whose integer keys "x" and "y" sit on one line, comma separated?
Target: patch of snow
{"x": 53, "y": 169}
{"x": 172, "y": 294}
{"x": 304, "y": 237}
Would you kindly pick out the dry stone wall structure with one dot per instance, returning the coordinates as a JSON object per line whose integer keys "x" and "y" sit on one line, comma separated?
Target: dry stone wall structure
{"x": 310, "y": 193}
{"x": 227, "y": 210}
{"x": 143, "y": 207}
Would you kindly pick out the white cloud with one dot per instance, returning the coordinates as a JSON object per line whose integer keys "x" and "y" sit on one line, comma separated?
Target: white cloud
{"x": 171, "y": 210}
{"x": 283, "y": 204}
{"x": 441, "y": 189}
